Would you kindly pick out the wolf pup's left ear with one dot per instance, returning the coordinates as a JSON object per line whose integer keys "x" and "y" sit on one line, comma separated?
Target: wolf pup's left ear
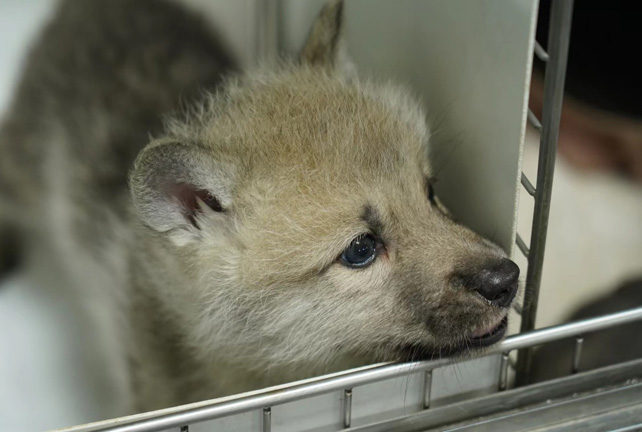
{"x": 325, "y": 46}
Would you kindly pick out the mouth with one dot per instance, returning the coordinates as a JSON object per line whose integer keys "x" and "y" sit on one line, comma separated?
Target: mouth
{"x": 489, "y": 336}
{"x": 481, "y": 338}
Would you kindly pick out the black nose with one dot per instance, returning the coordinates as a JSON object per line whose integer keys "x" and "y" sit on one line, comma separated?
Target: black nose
{"x": 496, "y": 281}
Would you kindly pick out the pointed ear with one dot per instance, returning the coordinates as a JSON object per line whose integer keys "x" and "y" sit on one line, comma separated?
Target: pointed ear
{"x": 325, "y": 46}
{"x": 173, "y": 183}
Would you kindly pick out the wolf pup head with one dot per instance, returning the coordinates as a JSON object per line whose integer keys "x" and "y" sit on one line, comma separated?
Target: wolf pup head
{"x": 296, "y": 216}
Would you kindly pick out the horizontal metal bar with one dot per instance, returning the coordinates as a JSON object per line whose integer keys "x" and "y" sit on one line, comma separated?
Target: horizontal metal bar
{"x": 540, "y": 52}
{"x": 616, "y": 376}
{"x": 528, "y": 185}
{"x": 522, "y": 246}
{"x": 549, "y": 334}
{"x": 637, "y": 427}
{"x": 339, "y": 382}
{"x": 624, "y": 419}
{"x": 533, "y": 120}
{"x": 573, "y": 409}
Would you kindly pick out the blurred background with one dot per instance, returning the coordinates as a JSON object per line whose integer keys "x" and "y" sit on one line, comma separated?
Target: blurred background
{"x": 595, "y": 230}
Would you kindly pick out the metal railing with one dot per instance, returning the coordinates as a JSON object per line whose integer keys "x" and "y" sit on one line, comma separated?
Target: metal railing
{"x": 347, "y": 381}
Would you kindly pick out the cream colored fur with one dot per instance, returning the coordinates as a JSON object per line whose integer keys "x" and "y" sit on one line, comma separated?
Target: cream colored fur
{"x": 246, "y": 287}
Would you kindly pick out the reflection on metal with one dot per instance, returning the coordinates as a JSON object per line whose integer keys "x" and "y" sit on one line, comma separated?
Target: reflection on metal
{"x": 522, "y": 246}
{"x": 427, "y": 388}
{"x": 541, "y": 52}
{"x": 347, "y": 408}
{"x": 534, "y": 121}
{"x": 267, "y": 419}
{"x": 503, "y": 372}
{"x": 577, "y": 354}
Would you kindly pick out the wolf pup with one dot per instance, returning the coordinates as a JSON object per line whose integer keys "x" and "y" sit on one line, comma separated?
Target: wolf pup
{"x": 279, "y": 226}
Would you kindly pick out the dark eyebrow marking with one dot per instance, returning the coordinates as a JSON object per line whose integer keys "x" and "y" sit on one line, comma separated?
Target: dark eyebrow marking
{"x": 430, "y": 181}
{"x": 429, "y": 189}
{"x": 371, "y": 216}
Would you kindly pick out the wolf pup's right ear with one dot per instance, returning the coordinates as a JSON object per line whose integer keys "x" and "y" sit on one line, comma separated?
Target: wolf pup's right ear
{"x": 325, "y": 46}
{"x": 172, "y": 184}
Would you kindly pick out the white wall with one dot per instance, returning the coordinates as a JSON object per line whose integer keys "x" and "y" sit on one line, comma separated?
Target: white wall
{"x": 470, "y": 61}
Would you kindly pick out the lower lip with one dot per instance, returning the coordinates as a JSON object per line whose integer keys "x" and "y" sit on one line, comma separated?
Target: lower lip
{"x": 493, "y": 336}
{"x": 417, "y": 353}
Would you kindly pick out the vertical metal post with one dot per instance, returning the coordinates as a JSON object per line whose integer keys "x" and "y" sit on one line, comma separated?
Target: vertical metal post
{"x": 267, "y": 419}
{"x": 558, "y": 41}
{"x": 267, "y": 20}
{"x": 347, "y": 408}
{"x": 503, "y": 372}
{"x": 427, "y": 388}
{"x": 577, "y": 354}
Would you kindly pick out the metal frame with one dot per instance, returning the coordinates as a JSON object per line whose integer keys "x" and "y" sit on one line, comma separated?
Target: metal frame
{"x": 557, "y": 404}
{"x": 348, "y": 380}
{"x": 266, "y": 23}
{"x": 616, "y": 387}
{"x": 558, "y": 42}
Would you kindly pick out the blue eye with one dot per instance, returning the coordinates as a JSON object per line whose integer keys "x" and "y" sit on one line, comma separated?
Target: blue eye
{"x": 361, "y": 252}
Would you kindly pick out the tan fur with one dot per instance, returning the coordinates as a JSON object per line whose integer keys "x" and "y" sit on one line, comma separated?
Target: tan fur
{"x": 301, "y": 160}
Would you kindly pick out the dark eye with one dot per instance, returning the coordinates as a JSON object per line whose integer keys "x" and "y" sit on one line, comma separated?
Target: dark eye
{"x": 431, "y": 194}
{"x": 361, "y": 252}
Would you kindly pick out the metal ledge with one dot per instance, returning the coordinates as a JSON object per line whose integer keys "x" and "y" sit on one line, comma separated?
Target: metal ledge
{"x": 555, "y": 401}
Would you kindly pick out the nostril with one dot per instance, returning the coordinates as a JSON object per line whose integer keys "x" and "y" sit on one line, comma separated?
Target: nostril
{"x": 503, "y": 294}
{"x": 504, "y": 298}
